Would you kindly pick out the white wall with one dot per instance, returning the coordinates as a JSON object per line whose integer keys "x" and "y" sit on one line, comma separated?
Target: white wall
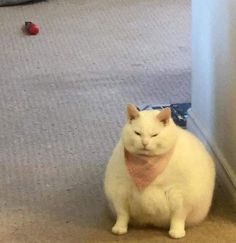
{"x": 214, "y": 76}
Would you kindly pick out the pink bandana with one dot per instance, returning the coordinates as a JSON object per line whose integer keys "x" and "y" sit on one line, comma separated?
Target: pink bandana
{"x": 144, "y": 169}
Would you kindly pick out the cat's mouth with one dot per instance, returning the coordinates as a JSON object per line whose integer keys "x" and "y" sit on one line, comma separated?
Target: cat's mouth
{"x": 144, "y": 151}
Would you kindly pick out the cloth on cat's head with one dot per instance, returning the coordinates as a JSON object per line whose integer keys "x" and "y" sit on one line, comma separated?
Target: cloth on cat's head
{"x": 144, "y": 169}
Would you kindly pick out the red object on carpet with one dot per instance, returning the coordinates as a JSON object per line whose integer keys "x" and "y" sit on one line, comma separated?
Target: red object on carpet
{"x": 31, "y": 28}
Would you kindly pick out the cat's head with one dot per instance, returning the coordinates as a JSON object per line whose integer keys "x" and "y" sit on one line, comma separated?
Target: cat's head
{"x": 150, "y": 132}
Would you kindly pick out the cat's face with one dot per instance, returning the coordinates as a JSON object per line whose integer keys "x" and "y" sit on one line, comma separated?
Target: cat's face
{"x": 149, "y": 132}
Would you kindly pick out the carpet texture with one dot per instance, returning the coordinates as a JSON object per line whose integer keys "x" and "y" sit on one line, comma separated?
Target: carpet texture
{"x": 62, "y": 104}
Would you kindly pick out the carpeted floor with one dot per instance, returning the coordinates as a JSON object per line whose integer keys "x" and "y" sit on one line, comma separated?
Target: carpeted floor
{"x": 62, "y": 105}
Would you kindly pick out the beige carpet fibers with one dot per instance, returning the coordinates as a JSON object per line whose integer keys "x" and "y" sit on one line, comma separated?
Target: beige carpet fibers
{"x": 62, "y": 101}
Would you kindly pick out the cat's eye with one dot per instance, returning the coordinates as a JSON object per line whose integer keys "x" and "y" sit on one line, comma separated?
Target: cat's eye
{"x": 154, "y": 135}
{"x": 137, "y": 133}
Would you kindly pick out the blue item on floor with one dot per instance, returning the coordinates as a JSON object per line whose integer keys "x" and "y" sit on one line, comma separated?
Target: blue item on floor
{"x": 179, "y": 111}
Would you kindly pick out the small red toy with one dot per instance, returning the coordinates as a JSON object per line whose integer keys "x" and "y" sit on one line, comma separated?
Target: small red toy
{"x": 31, "y": 28}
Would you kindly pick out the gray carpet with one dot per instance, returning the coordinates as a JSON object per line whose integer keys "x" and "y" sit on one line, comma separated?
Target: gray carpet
{"x": 62, "y": 105}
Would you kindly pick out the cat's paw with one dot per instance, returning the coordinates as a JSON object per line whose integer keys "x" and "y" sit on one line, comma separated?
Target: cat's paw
{"x": 177, "y": 233}
{"x": 118, "y": 230}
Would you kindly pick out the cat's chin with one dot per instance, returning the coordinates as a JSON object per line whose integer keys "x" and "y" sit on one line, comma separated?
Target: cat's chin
{"x": 144, "y": 152}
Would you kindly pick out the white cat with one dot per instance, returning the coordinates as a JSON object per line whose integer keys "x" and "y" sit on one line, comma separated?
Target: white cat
{"x": 159, "y": 174}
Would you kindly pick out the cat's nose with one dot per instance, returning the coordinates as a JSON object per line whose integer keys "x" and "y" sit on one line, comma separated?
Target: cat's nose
{"x": 145, "y": 142}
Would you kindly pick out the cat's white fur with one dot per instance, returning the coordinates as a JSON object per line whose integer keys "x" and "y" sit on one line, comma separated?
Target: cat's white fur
{"x": 181, "y": 196}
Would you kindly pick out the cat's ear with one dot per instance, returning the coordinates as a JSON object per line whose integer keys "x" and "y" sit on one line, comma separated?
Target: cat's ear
{"x": 164, "y": 116}
{"x": 132, "y": 111}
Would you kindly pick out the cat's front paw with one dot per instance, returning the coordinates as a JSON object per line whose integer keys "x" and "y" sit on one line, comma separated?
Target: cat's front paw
{"x": 177, "y": 233}
{"x": 118, "y": 230}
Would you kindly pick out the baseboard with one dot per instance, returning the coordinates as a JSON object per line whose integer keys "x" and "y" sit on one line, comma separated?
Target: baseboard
{"x": 225, "y": 174}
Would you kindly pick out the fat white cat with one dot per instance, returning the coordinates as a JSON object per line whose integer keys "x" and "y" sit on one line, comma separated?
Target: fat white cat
{"x": 159, "y": 174}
